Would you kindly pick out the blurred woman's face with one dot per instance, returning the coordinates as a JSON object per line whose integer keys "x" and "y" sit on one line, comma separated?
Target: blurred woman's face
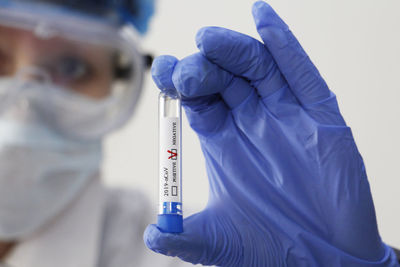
{"x": 84, "y": 68}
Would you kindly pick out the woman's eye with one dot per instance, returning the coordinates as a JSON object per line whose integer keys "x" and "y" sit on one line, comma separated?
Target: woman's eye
{"x": 70, "y": 69}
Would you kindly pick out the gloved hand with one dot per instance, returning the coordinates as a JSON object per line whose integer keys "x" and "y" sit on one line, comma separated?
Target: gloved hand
{"x": 287, "y": 184}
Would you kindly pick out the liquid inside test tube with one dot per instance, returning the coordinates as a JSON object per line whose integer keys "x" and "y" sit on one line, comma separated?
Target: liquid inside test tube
{"x": 170, "y": 162}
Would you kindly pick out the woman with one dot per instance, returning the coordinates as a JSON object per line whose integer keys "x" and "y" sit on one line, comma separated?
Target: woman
{"x": 71, "y": 73}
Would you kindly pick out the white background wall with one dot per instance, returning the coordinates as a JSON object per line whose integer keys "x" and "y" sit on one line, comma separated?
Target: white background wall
{"x": 356, "y": 46}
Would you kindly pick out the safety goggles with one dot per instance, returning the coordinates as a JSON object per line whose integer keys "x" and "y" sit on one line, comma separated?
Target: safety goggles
{"x": 83, "y": 74}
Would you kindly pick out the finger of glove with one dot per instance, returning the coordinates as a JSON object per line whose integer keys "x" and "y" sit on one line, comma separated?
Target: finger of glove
{"x": 205, "y": 113}
{"x": 241, "y": 55}
{"x": 301, "y": 74}
{"x": 196, "y": 76}
{"x": 161, "y": 71}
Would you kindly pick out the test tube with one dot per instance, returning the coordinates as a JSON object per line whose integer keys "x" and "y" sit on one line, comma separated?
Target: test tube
{"x": 170, "y": 218}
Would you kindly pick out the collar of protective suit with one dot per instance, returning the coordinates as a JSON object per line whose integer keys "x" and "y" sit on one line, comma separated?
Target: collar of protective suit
{"x": 72, "y": 239}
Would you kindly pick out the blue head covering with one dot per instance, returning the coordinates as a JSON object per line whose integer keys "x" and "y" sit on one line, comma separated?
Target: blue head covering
{"x": 144, "y": 9}
{"x": 135, "y": 12}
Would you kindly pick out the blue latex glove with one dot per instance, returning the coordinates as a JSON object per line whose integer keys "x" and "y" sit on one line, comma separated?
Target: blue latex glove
{"x": 287, "y": 184}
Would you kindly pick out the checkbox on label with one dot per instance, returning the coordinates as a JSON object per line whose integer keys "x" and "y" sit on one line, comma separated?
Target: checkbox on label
{"x": 174, "y": 190}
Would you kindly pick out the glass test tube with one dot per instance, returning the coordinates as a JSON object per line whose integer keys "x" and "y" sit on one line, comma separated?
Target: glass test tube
{"x": 170, "y": 162}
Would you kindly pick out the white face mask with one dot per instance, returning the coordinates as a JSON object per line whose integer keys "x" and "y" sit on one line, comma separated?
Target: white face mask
{"x": 41, "y": 172}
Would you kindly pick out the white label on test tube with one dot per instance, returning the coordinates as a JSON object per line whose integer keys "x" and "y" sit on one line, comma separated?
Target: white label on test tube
{"x": 170, "y": 168}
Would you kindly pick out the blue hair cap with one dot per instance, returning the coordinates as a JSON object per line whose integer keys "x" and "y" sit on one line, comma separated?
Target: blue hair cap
{"x": 134, "y": 12}
{"x": 144, "y": 10}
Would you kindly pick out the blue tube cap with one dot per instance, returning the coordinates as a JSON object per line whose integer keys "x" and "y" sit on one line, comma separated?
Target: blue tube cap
{"x": 170, "y": 223}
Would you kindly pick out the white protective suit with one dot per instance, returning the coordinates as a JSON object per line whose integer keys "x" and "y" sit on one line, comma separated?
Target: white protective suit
{"x": 103, "y": 227}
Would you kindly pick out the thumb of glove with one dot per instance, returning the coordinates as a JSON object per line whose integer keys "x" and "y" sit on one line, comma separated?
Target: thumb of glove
{"x": 188, "y": 246}
{"x": 207, "y": 239}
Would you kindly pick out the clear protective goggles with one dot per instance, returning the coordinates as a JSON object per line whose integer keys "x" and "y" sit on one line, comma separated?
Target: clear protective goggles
{"x": 81, "y": 73}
